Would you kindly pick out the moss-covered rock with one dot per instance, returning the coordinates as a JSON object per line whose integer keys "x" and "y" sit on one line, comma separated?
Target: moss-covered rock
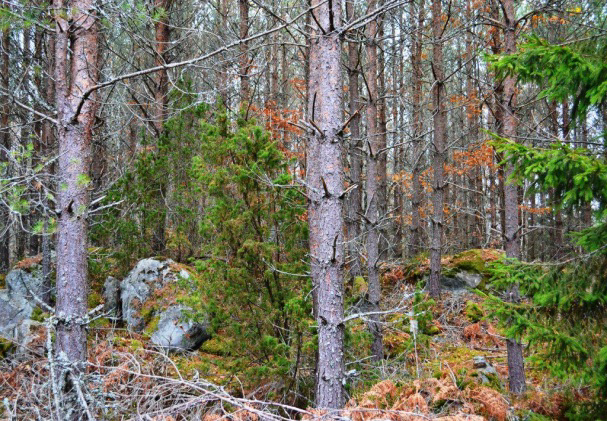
{"x": 470, "y": 261}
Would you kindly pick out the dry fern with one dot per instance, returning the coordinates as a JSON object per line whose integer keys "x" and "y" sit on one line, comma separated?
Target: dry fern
{"x": 493, "y": 402}
{"x": 379, "y": 395}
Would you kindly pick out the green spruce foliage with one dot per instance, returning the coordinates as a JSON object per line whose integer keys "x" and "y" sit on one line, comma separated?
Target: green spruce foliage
{"x": 564, "y": 71}
{"x": 565, "y": 312}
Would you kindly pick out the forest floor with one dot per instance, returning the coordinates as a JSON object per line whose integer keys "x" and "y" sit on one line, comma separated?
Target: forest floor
{"x": 450, "y": 363}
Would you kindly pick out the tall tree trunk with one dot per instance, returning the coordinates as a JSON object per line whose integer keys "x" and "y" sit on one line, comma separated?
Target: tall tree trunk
{"x": 75, "y": 73}
{"x": 472, "y": 123}
{"x": 48, "y": 144}
{"x": 5, "y": 140}
{"x": 325, "y": 180}
{"x": 399, "y": 200}
{"x": 243, "y": 28}
{"x": 439, "y": 149}
{"x": 374, "y": 176}
{"x": 418, "y": 144}
{"x": 222, "y": 6}
{"x": 516, "y": 370}
{"x": 162, "y": 32}
{"x": 356, "y": 163}
{"x": 382, "y": 202}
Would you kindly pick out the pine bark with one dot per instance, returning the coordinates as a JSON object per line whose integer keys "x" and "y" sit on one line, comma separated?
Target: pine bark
{"x": 162, "y": 32}
{"x": 75, "y": 73}
{"x": 516, "y": 369}
{"x": 354, "y": 204}
{"x": 382, "y": 129}
{"x": 418, "y": 144}
{"x": 5, "y": 140}
{"x": 439, "y": 149}
{"x": 325, "y": 181}
{"x": 373, "y": 188}
{"x": 243, "y": 29}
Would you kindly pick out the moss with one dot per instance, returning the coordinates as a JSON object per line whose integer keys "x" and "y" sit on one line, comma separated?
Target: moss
{"x": 397, "y": 344}
{"x": 217, "y": 346}
{"x": 94, "y": 299}
{"x": 432, "y": 330}
{"x": 360, "y": 286}
{"x": 38, "y": 315}
{"x": 136, "y": 345}
{"x": 474, "y": 312}
{"x": 2, "y": 280}
{"x": 151, "y": 327}
{"x": 470, "y": 261}
{"x": 6, "y": 347}
{"x": 101, "y": 323}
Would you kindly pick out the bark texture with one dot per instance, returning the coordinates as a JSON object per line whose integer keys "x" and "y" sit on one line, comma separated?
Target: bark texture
{"x": 516, "y": 369}
{"x": 325, "y": 181}
{"x": 162, "y": 32}
{"x": 374, "y": 196}
{"x": 354, "y": 204}
{"x": 5, "y": 140}
{"x": 75, "y": 73}
{"x": 438, "y": 149}
{"x": 418, "y": 146}
{"x": 243, "y": 28}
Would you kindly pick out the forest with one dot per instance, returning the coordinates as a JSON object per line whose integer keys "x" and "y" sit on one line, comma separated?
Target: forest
{"x": 272, "y": 210}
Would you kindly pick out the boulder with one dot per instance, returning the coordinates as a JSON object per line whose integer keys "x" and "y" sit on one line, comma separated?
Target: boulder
{"x": 147, "y": 277}
{"x": 111, "y": 298}
{"x": 14, "y": 310}
{"x": 173, "y": 331}
{"x": 17, "y": 305}
{"x": 24, "y": 283}
{"x": 461, "y": 280}
{"x": 486, "y": 372}
{"x": 148, "y": 299}
{"x": 471, "y": 280}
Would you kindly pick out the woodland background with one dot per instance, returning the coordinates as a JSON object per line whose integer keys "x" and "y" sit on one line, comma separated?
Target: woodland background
{"x": 321, "y": 172}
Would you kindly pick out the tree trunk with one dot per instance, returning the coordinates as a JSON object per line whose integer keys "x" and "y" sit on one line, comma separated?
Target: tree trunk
{"x": 472, "y": 112}
{"x": 222, "y": 7}
{"x": 162, "y": 33}
{"x": 325, "y": 181}
{"x": 373, "y": 189}
{"x": 399, "y": 201}
{"x": 439, "y": 149}
{"x": 516, "y": 370}
{"x": 382, "y": 202}
{"x": 356, "y": 163}
{"x": 5, "y": 141}
{"x": 74, "y": 74}
{"x": 418, "y": 144}
{"x": 243, "y": 28}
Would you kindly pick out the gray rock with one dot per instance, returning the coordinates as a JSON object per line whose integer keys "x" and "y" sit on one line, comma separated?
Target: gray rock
{"x": 479, "y": 362}
{"x": 20, "y": 282}
{"x": 472, "y": 280}
{"x": 148, "y": 276}
{"x": 111, "y": 298}
{"x": 485, "y": 370}
{"x": 17, "y": 303}
{"x": 176, "y": 333}
{"x": 461, "y": 280}
{"x": 28, "y": 331}
{"x": 15, "y": 311}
